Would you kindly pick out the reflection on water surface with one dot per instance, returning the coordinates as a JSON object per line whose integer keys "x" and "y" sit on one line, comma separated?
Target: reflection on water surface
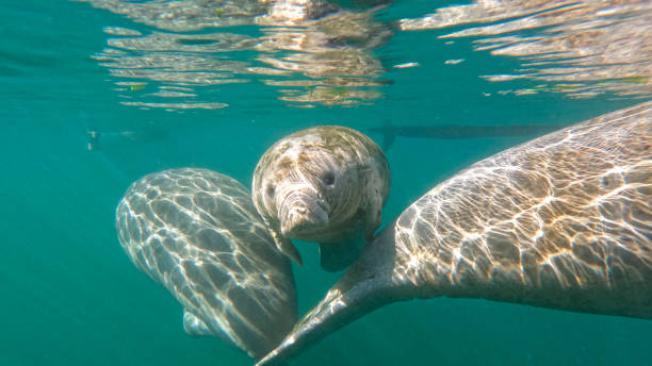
{"x": 580, "y": 48}
{"x": 312, "y": 52}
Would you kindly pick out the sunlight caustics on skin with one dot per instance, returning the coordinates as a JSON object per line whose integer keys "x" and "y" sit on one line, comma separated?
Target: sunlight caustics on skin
{"x": 563, "y": 221}
{"x": 198, "y": 234}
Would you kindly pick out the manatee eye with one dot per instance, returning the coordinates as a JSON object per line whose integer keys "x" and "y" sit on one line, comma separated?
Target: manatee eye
{"x": 328, "y": 178}
{"x": 270, "y": 190}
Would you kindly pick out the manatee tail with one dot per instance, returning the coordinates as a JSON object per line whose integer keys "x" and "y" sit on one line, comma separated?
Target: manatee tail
{"x": 365, "y": 287}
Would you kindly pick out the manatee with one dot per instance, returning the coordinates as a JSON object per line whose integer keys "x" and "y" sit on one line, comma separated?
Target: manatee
{"x": 563, "y": 221}
{"x": 325, "y": 184}
{"x": 197, "y": 233}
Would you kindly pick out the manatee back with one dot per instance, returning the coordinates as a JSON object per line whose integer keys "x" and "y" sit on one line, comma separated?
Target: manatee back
{"x": 563, "y": 221}
{"x": 197, "y": 233}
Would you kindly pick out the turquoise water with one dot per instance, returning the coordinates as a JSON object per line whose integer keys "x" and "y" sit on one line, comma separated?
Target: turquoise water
{"x": 72, "y": 297}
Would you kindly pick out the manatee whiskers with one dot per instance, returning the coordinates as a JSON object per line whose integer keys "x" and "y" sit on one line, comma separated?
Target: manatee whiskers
{"x": 300, "y": 210}
{"x": 301, "y": 217}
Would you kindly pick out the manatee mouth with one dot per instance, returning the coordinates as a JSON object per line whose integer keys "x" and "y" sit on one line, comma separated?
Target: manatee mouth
{"x": 304, "y": 217}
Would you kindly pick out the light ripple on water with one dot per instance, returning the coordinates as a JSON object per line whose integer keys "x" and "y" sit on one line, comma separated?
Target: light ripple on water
{"x": 313, "y": 53}
{"x": 580, "y": 48}
{"x": 315, "y": 61}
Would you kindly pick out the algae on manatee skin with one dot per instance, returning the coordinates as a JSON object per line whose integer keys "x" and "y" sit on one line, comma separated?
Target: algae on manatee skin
{"x": 565, "y": 87}
{"x": 334, "y": 92}
{"x": 636, "y": 80}
{"x": 137, "y": 87}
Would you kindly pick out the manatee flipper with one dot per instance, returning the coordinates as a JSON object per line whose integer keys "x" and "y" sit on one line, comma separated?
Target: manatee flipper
{"x": 372, "y": 219}
{"x": 285, "y": 246}
{"x": 194, "y": 326}
{"x": 335, "y": 257}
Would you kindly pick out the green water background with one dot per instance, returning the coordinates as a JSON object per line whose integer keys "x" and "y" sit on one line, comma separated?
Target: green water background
{"x": 70, "y": 296}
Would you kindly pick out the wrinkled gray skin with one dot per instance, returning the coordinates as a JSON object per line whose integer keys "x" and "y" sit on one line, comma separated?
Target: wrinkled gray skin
{"x": 197, "y": 233}
{"x": 326, "y": 184}
{"x": 563, "y": 221}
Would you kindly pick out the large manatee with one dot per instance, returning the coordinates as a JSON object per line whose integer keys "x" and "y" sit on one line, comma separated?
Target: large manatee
{"x": 563, "y": 221}
{"x": 198, "y": 234}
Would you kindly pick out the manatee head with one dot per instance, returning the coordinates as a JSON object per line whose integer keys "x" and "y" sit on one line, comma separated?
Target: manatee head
{"x": 309, "y": 184}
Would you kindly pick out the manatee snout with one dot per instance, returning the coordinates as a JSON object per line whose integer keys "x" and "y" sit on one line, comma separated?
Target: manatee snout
{"x": 303, "y": 216}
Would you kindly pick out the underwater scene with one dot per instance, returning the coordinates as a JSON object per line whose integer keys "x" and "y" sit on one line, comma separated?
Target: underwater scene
{"x": 326, "y": 182}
